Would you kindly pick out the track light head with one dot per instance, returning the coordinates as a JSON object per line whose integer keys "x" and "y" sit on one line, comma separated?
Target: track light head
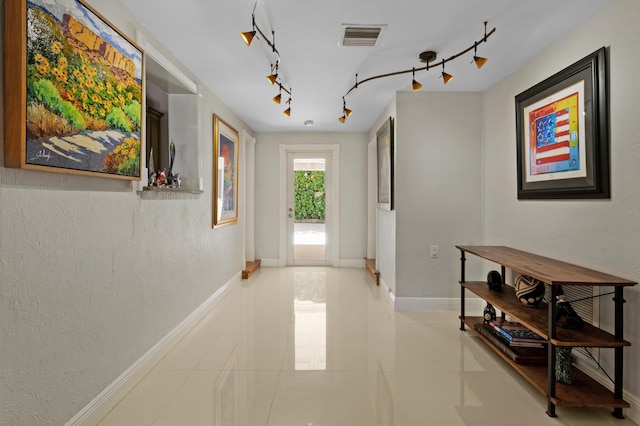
{"x": 247, "y": 37}
{"x": 277, "y": 98}
{"x": 272, "y": 78}
{"x": 342, "y": 119}
{"x": 415, "y": 86}
{"x": 347, "y": 112}
{"x": 480, "y": 61}
{"x": 287, "y": 112}
{"x": 446, "y": 77}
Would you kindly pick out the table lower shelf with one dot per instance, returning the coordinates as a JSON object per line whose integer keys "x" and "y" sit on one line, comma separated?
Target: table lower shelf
{"x": 584, "y": 392}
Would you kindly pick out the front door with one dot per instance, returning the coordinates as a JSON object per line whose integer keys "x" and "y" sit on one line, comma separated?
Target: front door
{"x": 308, "y": 218}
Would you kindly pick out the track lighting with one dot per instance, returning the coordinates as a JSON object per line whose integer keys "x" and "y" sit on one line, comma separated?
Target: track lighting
{"x": 428, "y": 57}
{"x": 287, "y": 111}
{"x": 274, "y": 77}
{"x": 415, "y": 86}
{"x": 446, "y": 77}
{"x": 479, "y": 60}
{"x": 346, "y": 112}
{"x": 248, "y": 36}
{"x": 278, "y": 98}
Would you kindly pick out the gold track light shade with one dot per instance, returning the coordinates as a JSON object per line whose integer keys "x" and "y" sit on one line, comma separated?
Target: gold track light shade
{"x": 415, "y": 86}
{"x": 272, "y": 78}
{"x": 480, "y": 61}
{"x": 247, "y": 37}
{"x": 346, "y": 111}
{"x": 287, "y": 112}
{"x": 278, "y": 98}
{"x": 446, "y": 77}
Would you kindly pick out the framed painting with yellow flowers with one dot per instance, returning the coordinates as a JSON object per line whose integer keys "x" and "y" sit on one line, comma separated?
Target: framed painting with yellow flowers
{"x": 73, "y": 91}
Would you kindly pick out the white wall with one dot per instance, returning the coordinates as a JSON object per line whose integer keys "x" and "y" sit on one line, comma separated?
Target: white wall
{"x": 353, "y": 190}
{"x": 603, "y": 235}
{"x": 438, "y": 189}
{"x": 92, "y": 275}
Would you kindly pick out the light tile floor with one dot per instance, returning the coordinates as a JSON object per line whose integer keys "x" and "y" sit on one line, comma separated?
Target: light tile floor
{"x": 312, "y": 346}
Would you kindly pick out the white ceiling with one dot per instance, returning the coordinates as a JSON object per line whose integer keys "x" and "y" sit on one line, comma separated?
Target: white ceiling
{"x": 205, "y": 36}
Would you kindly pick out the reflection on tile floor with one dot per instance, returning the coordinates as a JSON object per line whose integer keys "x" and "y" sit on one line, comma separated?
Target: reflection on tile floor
{"x": 313, "y": 346}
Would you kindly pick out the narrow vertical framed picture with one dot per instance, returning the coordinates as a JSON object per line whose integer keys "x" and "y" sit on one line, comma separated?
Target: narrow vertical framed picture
{"x": 384, "y": 138}
{"x": 73, "y": 91}
{"x": 225, "y": 173}
{"x": 563, "y": 134}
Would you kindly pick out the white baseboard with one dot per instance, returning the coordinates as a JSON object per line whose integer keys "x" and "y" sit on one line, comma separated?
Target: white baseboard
{"x": 352, "y": 263}
{"x": 473, "y": 306}
{"x": 344, "y": 263}
{"x": 106, "y": 400}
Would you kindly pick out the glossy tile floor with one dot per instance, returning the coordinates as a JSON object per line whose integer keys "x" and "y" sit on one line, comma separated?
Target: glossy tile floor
{"x": 311, "y": 346}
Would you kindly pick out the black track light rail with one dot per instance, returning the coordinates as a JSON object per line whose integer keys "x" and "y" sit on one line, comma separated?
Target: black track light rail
{"x": 271, "y": 44}
{"x": 428, "y": 66}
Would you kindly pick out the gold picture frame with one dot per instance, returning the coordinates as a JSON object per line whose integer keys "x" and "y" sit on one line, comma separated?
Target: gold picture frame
{"x": 225, "y": 173}
{"x": 73, "y": 91}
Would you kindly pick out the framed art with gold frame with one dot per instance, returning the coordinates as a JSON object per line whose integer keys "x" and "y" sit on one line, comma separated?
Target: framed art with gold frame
{"x": 225, "y": 173}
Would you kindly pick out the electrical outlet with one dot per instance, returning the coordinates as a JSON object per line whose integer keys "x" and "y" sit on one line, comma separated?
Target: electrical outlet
{"x": 434, "y": 251}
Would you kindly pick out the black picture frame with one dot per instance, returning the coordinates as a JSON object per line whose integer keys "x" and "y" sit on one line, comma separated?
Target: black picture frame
{"x": 570, "y": 110}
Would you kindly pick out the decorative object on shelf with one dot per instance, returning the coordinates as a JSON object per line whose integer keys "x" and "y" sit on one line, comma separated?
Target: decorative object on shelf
{"x": 563, "y": 365}
{"x": 161, "y": 178}
{"x": 426, "y": 57}
{"x": 563, "y": 134}
{"x": 385, "y": 136}
{"x": 274, "y": 77}
{"x": 172, "y": 155}
{"x": 151, "y": 173}
{"x": 73, "y": 92}
{"x": 529, "y": 290}
{"x": 566, "y": 316}
{"x": 494, "y": 280}
{"x": 489, "y": 313}
{"x": 225, "y": 177}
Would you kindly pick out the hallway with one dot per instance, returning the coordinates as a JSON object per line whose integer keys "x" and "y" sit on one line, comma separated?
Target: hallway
{"x": 311, "y": 346}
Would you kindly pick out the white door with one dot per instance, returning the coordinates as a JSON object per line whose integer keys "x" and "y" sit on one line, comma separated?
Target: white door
{"x": 308, "y": 213}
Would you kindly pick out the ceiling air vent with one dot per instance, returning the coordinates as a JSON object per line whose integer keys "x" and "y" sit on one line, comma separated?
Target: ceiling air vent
{"x": 361, "y": 35}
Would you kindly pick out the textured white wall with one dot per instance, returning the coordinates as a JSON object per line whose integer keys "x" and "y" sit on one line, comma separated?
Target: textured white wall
{"x": 92, "y": 275}
{"x": 602, "y": 234}
{"x": 438, "y": 188}
{"x": 353, "y": 190}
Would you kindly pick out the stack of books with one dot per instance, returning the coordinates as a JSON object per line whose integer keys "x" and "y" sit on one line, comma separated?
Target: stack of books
{"x": 528, "y": 352}
{"x": 517, "y": 335}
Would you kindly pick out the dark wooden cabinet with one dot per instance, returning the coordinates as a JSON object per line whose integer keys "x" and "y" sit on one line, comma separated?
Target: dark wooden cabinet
{"x": 153, "y": 136}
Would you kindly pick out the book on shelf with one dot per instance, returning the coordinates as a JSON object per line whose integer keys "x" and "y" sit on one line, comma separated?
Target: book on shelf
{"x": 516, "y": 333}
{"x": 519, "y": 354}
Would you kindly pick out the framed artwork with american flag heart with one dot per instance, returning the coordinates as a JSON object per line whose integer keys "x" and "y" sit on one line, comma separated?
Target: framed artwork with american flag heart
{"x": 563, "y": 134}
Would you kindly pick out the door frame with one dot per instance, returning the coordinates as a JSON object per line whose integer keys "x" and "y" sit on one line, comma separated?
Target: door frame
{"x": 332, "y": 196}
